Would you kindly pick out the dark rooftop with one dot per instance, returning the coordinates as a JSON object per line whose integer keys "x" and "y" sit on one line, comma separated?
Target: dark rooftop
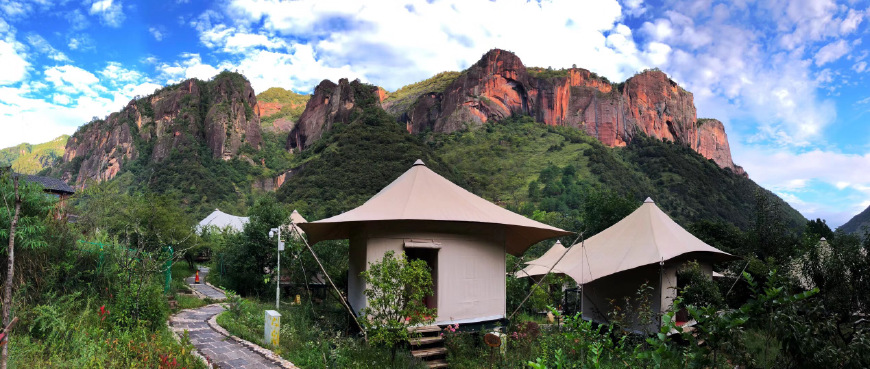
{"x": 51, "y": 184}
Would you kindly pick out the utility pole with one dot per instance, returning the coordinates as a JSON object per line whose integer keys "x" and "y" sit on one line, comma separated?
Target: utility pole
{"x": 272, "y": 233}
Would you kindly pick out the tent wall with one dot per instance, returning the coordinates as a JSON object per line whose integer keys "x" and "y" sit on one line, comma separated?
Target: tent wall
{"x": 599, "y": 293}
{"x": 471, "y": 267}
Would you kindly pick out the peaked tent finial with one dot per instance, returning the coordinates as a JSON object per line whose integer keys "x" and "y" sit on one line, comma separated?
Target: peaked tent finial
{"x": 419, "y": 162}
{"x": 649, "y": 200}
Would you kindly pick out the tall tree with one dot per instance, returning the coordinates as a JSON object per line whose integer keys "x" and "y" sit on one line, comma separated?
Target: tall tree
{"x": 10, "y": 267}
{"x": 22, "y": 224}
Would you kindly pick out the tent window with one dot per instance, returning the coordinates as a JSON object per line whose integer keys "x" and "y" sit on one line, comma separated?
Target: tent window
{"x": 422, "y": 244}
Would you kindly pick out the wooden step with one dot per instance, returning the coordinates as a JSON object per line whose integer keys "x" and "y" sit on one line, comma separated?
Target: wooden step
{"x": 425, "y": 329}
{"x": 440, "y": 363}
{"x": 420, "y": 341}
{"x": 422, "y": 353}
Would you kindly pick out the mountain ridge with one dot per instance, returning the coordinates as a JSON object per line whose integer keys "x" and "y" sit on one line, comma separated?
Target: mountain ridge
{"x": 33, "y": 158}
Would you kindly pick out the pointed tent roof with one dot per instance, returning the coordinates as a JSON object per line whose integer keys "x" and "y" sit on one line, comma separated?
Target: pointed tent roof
{"x": 295, "y": 220}
{"x": 222, "y": 220}
{"x": 646, "y": 236}
{"x": 422, "y": 195}
{"x": 531, "y": 270}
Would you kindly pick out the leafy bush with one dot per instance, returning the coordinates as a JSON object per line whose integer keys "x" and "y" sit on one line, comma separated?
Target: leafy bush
{"x": 395, "y": 293}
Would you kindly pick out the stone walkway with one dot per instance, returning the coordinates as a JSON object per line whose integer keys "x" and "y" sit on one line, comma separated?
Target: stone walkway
{"x": 205, "y": 289}
{"x": 220, "y": 349}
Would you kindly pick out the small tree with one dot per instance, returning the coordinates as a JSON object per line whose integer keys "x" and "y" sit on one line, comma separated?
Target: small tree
{"x": 395, "y": 291}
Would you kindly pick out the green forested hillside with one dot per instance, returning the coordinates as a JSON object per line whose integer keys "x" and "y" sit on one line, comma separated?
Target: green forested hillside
{"x": 31, "y": 159}
{"x": 859, "y": 223}
{"x": 501, "y": 161}
{"x": 354, "y": 160}
{"x": 522, "y": 165}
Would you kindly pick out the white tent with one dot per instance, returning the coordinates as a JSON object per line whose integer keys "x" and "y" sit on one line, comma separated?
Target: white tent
{"x": 647, "y": 246}
{"x": 463, "y": 238}
{"x": 533, "y": 270}
{"x": 221, "y": 220}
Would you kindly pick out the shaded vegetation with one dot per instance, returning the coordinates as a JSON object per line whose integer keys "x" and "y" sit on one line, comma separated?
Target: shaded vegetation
{"x": 860, "y": 223}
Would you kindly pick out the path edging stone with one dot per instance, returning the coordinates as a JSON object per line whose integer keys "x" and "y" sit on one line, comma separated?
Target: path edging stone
{"x": 269, "y": 354}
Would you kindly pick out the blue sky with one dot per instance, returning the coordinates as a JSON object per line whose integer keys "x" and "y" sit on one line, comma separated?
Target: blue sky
{"x": 788, "y": 78}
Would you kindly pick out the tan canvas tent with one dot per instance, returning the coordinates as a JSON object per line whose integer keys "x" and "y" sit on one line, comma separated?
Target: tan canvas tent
{"x": 647, "y": 246}
{"x": 463, "y": 238}
{"x": 534, "y": 270}
{"x": 295, "y": 220}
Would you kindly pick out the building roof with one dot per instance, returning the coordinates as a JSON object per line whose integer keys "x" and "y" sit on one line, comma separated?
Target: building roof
{"x": 531, "y": 270}
{"x": 646, "y": 236}
{"x": 50, "y": 183}
{"x": 422, "y": 195}
{"x": 223, "y": 220}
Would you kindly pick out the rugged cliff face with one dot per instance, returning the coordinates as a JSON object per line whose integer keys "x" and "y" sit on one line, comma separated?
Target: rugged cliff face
{"x": 279, "y": 109}
{"x": 330, "y": 103}
{"x": 499, "y": 85}
{"x": 218, "y": 114}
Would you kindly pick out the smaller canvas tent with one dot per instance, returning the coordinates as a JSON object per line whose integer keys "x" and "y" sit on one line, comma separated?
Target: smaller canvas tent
{"x": 534, "y": 270}
{"x": 462, "y": 237}
{"x": 221, "y": 220}
{"x": 295, "y": 219}
{"x": 646, "y": 247}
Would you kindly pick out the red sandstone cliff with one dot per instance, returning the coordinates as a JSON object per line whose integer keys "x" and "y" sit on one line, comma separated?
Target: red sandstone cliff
{"x": 219, "y": 114}
{"x": 330, "y": 103}
{"x": 499, "y": 86}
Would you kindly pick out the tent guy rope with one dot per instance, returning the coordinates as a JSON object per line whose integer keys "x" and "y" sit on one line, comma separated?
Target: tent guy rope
{"x": 328, "y": 278}
{"x": 579, "y": 236}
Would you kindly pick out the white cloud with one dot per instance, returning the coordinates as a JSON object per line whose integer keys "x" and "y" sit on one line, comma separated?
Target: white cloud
{"x": 860, "y": 66}
{"x": 831, "y": 52}
{"x": 72, "y": 80}
{"x": 14, "y": 66}
{"x": 41, "y": 45}
{"x": 115, "y": 74}
{"x": 392, "y": 45}
{"x": 80, "y": 42}
{"x": 158, "y": 35}
{"x": 191, "y": 66}
{"x": 77, "y": 20}
{"x": 110, "y": 12}
{"x": 796, "y": 174}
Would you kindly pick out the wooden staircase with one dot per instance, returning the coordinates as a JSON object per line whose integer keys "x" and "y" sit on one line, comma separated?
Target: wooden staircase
{"x": 428, "y": 345}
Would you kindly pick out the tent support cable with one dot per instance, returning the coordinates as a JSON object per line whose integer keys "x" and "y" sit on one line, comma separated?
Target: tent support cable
{"x": 737, "y": 279}
{"x": 340, "y": 297}
{"x": 579, "y": 236}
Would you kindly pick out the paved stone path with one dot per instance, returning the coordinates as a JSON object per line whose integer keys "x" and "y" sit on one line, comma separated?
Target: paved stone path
{"x": 216, "y": 344}
{"x": 203, "y": 288}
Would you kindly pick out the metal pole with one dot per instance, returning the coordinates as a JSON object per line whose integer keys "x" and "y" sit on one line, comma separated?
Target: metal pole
{"x": 278, "y": 274}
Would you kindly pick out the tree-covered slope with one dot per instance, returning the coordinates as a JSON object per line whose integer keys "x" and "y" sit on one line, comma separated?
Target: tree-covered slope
{"x": 31, "y": 159}
{"x": 500, "y": 161}
{"x": 354, "y": 160}
{"x": 508, "y": 163}
{"x": 858, "y": 223}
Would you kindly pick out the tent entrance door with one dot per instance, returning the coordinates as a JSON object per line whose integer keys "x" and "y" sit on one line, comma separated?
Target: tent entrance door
{"x": 430, "y": 256}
